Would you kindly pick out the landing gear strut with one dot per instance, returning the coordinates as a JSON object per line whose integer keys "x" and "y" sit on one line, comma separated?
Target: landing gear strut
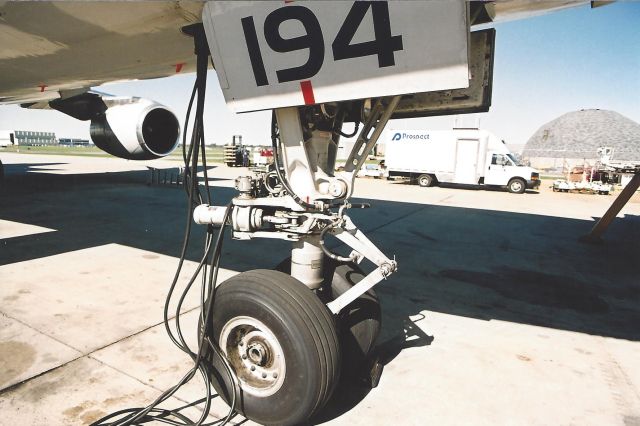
{"x": 285, "y": 335}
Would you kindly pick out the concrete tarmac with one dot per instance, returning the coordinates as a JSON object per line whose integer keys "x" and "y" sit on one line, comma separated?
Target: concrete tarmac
{"x": 497, "y": 314}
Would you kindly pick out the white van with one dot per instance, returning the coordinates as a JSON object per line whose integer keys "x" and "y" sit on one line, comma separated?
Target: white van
{"x": 462, "y": 156}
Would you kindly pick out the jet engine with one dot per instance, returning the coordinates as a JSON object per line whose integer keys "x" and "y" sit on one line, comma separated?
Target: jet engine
{"x": 126, "y": 127}
{"x": 140, "y": 130}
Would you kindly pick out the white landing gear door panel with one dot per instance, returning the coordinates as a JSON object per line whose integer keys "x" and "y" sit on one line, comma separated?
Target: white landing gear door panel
{"x": 274, "y": 54}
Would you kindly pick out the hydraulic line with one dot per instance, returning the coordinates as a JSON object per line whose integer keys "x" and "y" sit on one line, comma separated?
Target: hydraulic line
{"x": 208, "y": 267}
{"x": 327, "y": 252}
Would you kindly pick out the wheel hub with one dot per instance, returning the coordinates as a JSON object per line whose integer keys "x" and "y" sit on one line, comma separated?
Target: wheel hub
{"x": 255, "y": 354}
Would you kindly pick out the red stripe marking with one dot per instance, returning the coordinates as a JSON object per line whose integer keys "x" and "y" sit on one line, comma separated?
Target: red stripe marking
{"x": 179, "y": 67}
{"x": 307, "y": 92}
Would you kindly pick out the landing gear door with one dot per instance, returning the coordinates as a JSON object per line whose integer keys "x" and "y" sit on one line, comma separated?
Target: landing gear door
{"x": 275, "y": 54}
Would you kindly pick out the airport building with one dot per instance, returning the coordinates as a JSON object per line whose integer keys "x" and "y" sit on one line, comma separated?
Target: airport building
{"x": 32, "y": 138}
{"x": 574, "y": 138}
{"x": 27, "y": 138}
{"x": 74, "y": 142}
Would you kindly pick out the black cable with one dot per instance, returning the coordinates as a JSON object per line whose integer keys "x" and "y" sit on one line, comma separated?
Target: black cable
{"x": 188, "y": 186}
{"x": 355, "y": 131}
{"x": 185, "y": 244}
{"x": 188, "y": 176}
{"x": 196, "y": 143}
{"x": 326, "y": 250}
{"x": 211, "y": 257}
{"x": 208, "y": 309}
{"x": 201, "y": 267}
{"x": 186, "y": 122}
{"x": 204, "y": 168}
{"x": 192, "y": 186}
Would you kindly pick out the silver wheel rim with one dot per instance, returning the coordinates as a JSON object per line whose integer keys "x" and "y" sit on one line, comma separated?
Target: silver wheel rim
{"x": 516, "y": 186}
{"x": 424, "y": 181}
{"x": 255, "y": 355}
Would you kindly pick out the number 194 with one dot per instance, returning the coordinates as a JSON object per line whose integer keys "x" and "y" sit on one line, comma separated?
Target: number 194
{"x": 383, "y": 45}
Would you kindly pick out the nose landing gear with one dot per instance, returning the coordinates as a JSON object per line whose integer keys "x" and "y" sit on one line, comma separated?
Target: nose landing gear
{"x": 286, "y": 334}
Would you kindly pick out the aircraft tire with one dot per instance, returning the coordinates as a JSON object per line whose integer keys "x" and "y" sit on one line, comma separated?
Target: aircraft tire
{"x": 359, "y": 323}
{"x": 282, "y": 343}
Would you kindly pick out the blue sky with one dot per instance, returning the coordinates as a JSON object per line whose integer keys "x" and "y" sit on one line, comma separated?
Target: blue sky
{"x": 544, "y": 67}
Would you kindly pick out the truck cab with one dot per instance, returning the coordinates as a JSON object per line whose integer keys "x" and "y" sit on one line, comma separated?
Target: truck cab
{"x": 502, "y": 169}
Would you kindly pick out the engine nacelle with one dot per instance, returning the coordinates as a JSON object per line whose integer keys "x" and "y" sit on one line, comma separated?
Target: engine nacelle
{"x": 136, "y": 129}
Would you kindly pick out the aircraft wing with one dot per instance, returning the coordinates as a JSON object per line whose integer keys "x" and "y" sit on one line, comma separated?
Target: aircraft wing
{"x": 49, "y": 48}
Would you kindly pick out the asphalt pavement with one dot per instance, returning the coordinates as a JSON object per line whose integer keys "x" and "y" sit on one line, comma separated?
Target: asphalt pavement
{"x": 497, "y": 314}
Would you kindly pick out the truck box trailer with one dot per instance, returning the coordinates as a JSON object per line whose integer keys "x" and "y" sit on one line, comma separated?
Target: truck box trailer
{"x": 7, "y": 138}
{"x": 460, "y": 156}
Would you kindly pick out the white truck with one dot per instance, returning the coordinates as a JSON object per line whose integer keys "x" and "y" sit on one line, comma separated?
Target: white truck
{"x": 461, "y": 156}
{"x": 6, "y": 138}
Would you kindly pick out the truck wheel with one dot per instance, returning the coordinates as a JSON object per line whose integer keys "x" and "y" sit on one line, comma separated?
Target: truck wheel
{"x": 425, "y": 180}
{"x": 517, "y": 186}
{"x": 281, "y": 342}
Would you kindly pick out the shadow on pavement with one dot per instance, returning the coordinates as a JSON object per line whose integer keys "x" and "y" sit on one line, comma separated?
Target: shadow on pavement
{"x": 476, "y": 263}
{"x": 482, "y": 264}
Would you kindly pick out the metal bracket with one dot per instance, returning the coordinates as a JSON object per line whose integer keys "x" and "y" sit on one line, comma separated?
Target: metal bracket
{"x": 354, "y": 238}
{"x": 377, "y": 120}
{"x": 357, "y": 240}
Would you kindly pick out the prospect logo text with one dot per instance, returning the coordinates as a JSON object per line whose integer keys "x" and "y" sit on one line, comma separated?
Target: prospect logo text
{"x": 412, "y": 136}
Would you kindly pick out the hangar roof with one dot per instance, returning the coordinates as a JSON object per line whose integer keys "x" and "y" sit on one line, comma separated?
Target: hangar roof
{"x": 579, "y": 134}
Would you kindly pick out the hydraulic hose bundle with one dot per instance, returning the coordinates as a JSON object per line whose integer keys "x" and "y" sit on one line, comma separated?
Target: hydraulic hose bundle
{"x": 208, "y": 268}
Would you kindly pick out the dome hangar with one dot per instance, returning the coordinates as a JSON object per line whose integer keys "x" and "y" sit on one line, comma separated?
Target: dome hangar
{"x": 574, "y": 138}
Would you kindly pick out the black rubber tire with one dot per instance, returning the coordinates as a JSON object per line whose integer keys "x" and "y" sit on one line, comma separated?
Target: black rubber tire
{"x": 359, "y": 323}
{"x": 517, "y": 186}
{"x": 425, "y": 180}
{"x": 306, "y": 332}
